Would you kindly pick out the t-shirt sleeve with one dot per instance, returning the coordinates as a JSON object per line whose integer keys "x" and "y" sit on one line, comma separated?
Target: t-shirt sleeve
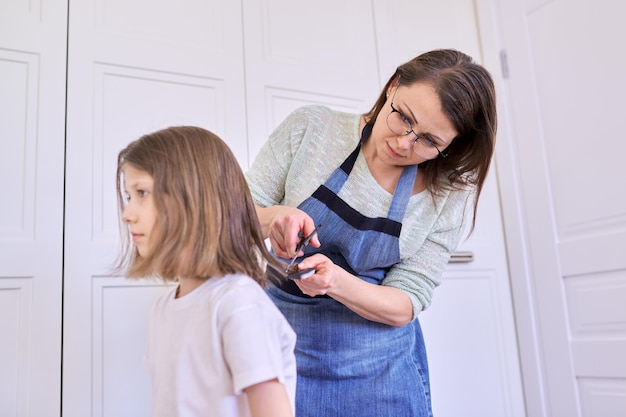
{"x": 257, "y": 343}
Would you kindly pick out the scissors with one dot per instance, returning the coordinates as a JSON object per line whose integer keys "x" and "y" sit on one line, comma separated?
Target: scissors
{"x": 303, "y": 242}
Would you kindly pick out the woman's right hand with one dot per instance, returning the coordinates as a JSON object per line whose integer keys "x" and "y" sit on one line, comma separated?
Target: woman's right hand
{"x": 284, "y": 227}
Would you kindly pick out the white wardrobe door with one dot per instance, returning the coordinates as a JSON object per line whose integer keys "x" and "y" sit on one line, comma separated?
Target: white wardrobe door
{"x": 134, "y": 67}
{"x": 566, "y": 95}
{"x": 32, "y": 125}
{"x": 469, "y": 328}
{"x": 303, "y": 52}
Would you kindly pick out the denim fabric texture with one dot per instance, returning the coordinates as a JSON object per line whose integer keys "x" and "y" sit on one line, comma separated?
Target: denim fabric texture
{"x": 349, "y": 366}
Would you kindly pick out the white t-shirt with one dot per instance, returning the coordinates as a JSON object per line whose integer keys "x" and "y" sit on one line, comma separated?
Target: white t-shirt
{"x": 204, "y": 348}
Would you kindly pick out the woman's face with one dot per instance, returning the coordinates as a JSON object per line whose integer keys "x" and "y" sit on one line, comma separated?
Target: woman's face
{"x": 411, "y": 127}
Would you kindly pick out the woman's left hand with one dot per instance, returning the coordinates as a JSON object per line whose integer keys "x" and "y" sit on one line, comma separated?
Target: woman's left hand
{"x": 379, "y": 303}
{"x": 324, "y": 279}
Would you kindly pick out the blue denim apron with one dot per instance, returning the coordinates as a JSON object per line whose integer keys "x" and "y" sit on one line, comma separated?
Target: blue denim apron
{"x": 349, "y": 366}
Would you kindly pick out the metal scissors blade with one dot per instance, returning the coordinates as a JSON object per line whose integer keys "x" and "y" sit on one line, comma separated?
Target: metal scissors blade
{"x": 303, "y": 242}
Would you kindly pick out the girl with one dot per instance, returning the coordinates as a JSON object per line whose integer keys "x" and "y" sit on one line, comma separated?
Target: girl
{"x": 217, "y": 345}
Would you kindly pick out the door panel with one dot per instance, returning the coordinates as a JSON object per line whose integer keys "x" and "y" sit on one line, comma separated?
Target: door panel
{"x": 135, "y": 67}
{"x": 300, "y": 53}
{"x": 469, "y": 329}
{"x": 406, "y": 28}
{"x": 32, "y": 101}
{"x": 566, "y": 94}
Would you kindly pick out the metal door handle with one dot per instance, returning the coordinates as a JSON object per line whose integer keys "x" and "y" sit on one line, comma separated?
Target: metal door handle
{"x": 461, "y": 257}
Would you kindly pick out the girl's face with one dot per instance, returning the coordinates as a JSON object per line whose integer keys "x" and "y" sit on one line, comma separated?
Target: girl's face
{"x": 140, "y": 212}
{"x": 417, "y": 114}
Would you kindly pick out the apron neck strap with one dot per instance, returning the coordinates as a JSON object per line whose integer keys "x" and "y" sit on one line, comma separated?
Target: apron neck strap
{"x": 366, "y": 132}
{"x": 348, "y": 164}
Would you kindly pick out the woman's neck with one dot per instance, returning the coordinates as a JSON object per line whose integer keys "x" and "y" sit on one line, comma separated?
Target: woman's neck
{"x": 386, "y": 176}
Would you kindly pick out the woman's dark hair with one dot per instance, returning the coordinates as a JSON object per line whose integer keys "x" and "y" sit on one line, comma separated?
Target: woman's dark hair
{"x": 467, "y": 96}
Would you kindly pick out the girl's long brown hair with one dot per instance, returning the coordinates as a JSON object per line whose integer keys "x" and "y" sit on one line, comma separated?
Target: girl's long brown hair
{"x": 207, "y": 223}
{"x": 467, "y": 95}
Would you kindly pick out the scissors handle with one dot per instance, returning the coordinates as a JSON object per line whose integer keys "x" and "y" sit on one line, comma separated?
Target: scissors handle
{"x": 305, "y": 241}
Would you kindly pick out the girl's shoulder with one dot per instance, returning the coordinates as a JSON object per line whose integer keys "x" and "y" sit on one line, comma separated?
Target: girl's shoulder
{"x": 241, "y": 289}
{"x": 240, "y": 294}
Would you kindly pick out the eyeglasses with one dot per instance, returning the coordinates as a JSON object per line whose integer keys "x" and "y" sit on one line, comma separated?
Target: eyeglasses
{"x": 423, "y": 146}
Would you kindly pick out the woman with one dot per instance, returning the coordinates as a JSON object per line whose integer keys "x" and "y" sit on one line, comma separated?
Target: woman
{"x": 393, "y": 190}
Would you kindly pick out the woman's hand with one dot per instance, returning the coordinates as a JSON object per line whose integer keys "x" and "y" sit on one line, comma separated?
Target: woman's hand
{"x": 324, "y": 279}
{"x": 283, "y": 225}
{"x": 377, "y": 303}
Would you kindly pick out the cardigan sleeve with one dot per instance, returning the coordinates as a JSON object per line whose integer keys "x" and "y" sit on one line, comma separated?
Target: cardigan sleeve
{"x": 300, "y": 154}
{"x": 420, "y": 273}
